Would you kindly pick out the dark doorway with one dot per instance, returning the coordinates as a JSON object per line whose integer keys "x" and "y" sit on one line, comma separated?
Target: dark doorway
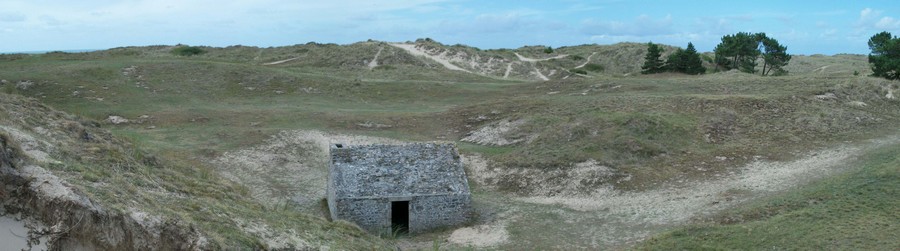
{"x": 400, "y": 217}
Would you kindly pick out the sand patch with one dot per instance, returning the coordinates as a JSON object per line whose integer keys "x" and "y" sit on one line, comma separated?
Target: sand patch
{"x": 374, "y": 62}
{"x": 678, "y": 202}
{"x": 281, "y": 61}
{"x": 497, "y": 134}
{"x": 34, "y": 148}
{"x": 440, "y": 58}
{"x": 480, "y": 236}
{"x": 532, "y": 60}
{"x": 290, "y": 166}
{"x": 586, "y": 61}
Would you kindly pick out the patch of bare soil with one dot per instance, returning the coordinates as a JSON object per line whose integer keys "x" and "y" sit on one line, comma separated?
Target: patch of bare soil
{"x": 281, "y": 61}
{"x": 440, "y": 58}
{"x": 289, "y": 167}
{"x": 497, "y": 134}
{"x": 480, "y": 236}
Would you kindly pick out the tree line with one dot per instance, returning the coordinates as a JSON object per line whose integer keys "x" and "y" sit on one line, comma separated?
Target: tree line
{"x": 743, "y": 50}
{"x": 739, "y": 51}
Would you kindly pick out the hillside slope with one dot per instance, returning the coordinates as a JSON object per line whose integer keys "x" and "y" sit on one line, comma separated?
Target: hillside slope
{"x": 83, "y": 187}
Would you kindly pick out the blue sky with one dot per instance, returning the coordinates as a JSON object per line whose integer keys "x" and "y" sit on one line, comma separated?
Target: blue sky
{"x": 805, "y": 27}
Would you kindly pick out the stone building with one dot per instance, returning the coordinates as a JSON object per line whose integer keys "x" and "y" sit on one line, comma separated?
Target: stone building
{"x": 407, "y": 188}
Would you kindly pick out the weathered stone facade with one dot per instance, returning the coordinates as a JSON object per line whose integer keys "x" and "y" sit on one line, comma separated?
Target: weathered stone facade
{"x": 368, "y": 184}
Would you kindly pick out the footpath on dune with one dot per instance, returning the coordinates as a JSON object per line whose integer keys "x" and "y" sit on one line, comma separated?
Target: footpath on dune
{"x": 609, "y": 218}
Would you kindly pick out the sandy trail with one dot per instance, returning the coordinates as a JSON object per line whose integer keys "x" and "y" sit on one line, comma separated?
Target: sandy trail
{"x": 374, "y": 62}
{"x": 508, "y": 69}
{"x": 586, "y": 61}
{"x": 416, "y": 51}
{"x": 821, "y": 69}
{"x": 539, "y": 74}
{"x": 281, "y": 61}
{"x": 614, "y": 219}
{"x": 532, "y": 60}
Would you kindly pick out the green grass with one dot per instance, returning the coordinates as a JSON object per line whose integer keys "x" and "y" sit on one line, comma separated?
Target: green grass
{"x": 858, "y": 210}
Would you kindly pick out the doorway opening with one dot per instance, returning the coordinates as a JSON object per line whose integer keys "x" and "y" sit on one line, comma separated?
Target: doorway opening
{"x": 400, "y": 217}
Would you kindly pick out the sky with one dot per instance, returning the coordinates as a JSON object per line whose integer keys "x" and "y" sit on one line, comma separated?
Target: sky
{"x": 805, "y": 27}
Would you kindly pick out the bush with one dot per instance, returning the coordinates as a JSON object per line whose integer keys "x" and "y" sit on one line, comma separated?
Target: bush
{"x": 580, "y": 71}
{"x": 188, "y": 51}
{"x": 576, "y": 57}
{"x": 593, "y": 67}
{"x": 548, "y": 50}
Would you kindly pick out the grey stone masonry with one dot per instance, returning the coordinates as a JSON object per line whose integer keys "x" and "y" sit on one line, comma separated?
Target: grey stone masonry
{"x": 363, "y": 181}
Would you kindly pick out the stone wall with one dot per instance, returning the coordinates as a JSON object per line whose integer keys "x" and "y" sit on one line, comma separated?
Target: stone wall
{"x": 425, "y": 212}
{"x": 397, "y": 170}
{"x": 371, "y": 214}
{"x": 430, "y": 212}
{"x": 363, "y": 180}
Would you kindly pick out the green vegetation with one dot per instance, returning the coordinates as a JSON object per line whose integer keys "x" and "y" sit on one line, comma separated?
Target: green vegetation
{"x": 548, "y": 50}
{"x": 885, "y": 56}
{"x": 858, "y": 210}
{"x": 652, "y": 63}
{"x": 775, "y": 57}
{"x": 741, "y": 50}
{"x": 593, "y": 67}
{"x": 685, "y": 61}
{"x": 187, "y": 51}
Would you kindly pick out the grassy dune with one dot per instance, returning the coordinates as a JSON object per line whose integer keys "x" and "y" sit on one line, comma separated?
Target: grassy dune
{"x": 648, "y": 130}
{"x": 857, "y": 210}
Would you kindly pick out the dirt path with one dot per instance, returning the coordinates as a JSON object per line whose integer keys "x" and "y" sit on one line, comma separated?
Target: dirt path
{"x": 610, "y": 219}
{"x": 532, "y": 60}
{"x": 508, "y": 69}
{"x": 281, "y": 61}
{"x": 539, "y": 74}
{"x": 412, "y": 49}
{"x": 821, "y": 69}
{"x": 586, "y": 61}
{"x": 374, "y": 62}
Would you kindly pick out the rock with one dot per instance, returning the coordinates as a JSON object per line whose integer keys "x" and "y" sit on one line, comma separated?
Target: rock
{"x": 826, "y": 96}
{"x": 24, "y": 85}
{"x": 279, "y": 92}
{"x": 151, "y": 127}
{"x": 3, "y": 82}
{"x": 115, "y": 120}
{"x": 857, "y": 103}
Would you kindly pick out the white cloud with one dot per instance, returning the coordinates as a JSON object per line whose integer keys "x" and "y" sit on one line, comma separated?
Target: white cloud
{"x": 829, "y": 34}
{"x": 887, "y": 23}
{"x": 871, "y": 20}
{"x": 643, "y": 25}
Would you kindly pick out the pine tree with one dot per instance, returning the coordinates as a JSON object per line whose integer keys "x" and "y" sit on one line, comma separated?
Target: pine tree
{"x": 675, "y": 61}
{"x": 774, "y": 57}
{"x": 741, "y": 50}
{"x": 885, "y": 56}
{"x": 685, "y": 61}
{"x": 652, "y": 63}
{"x": 692, "y": 63}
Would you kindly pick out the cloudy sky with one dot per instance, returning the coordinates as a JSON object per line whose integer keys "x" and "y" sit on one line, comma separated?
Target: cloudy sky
{"x": 805, "y": 27}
